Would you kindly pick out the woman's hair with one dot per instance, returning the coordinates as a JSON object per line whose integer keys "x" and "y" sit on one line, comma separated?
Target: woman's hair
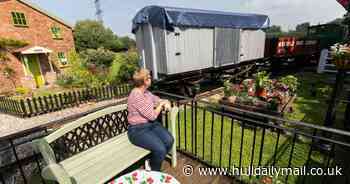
{"x": 139, "y": 76}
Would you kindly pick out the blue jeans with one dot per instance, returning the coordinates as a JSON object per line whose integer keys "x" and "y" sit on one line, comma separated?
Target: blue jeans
{"x": 154, "y": 137}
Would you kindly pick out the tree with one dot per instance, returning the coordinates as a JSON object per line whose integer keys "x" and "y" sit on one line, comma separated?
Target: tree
{"x": 90, "y": 34}
{"x": 337, "y": 21}
{"x": 123, "y": 67}
{"x": 128, "y": 42}
{"x": 273, "y": 29}
{"x": 302, "y": 27}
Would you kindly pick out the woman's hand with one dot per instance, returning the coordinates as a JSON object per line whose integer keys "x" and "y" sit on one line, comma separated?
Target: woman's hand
{"x": 164, "y": 104}
{"x": 167, "y": 105}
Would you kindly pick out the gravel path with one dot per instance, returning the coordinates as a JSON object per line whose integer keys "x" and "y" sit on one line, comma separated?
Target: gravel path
{"x": 10, "y": 124}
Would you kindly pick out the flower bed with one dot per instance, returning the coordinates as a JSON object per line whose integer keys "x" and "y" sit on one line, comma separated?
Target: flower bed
{"x": 261, "y": 94}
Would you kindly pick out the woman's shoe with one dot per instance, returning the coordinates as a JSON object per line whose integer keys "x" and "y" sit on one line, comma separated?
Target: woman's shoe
{"x": 147, "y": 165}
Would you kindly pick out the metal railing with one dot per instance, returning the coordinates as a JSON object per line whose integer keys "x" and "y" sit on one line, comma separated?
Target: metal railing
{"x": 222, "y": 136}
{"x": 218, "y": 136}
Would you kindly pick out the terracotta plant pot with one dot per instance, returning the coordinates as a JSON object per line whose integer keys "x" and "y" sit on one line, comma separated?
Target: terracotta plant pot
{"x": 342, "y": 64}
{"x": 261, "y": 93}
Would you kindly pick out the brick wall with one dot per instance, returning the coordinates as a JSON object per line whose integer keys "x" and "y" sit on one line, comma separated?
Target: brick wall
{"x": 38, "y": 33}
{"x": 7, "y": 84}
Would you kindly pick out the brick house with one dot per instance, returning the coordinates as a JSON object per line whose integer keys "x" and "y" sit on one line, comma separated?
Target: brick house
{"x": 49, "y": 37}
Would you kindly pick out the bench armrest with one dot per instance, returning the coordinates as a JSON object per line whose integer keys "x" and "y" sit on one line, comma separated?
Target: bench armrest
{"x": 43, "y": 147}
{"x": 52, "y": 170}
{"x": 57, "y": 173}
{"x": 173, "y": 114}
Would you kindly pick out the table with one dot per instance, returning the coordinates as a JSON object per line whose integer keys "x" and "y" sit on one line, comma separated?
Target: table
{"x": 142, "y": 176}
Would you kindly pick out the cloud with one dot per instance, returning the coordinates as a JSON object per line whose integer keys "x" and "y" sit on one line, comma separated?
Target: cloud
{"x": 289, "y": 13}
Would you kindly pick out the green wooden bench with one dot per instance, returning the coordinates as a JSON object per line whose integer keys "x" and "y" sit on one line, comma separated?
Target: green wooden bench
{"x": 94, "y": 148}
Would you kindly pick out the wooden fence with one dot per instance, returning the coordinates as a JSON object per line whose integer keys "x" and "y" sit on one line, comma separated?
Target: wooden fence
{"x": 30, "y": 107}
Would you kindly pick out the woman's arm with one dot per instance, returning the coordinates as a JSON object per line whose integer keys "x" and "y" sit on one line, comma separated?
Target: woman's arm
{"x": 155, "y": 98}
{"x": 146, "y": 107}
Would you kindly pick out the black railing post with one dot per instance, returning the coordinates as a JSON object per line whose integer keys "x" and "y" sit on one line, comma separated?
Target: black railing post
{"x": 241, "y": 146}
{"x": 222, "y": 137}
{"x": 203, "y": 137}
{"x": 185, "y": 124}
{"x": 231, "y": 134}
{"x": 291, "y": 152}
{"x": 276, "y": 147}
{"x": 261, "y": 146}
{"x": 338, "y": 86}
{"x": 195, "y": 127}
{"x": 253, "y": 149}
{"x": 212, "y": 136}
{"x": 347, "y": 112}
{"x": 178, "y": 126}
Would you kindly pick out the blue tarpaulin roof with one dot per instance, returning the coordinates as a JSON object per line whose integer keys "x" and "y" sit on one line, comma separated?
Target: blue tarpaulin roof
{"x": 170, "y": 17}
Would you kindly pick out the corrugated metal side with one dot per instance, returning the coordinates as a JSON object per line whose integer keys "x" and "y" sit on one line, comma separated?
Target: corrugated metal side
{"x": 159, "y": 39}
{"x": 189, "y": 49}
{"x": 140, "y": 46}
{"x": 143, "y": 43}
{"x": 252, "y": 44}
{"x": 226, "y": 46}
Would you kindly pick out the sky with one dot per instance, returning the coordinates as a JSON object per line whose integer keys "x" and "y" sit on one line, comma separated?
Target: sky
{"x": 118, "y": 14}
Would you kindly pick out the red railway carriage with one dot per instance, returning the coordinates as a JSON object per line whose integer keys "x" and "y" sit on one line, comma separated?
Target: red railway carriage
{"x": 304, "y": 49}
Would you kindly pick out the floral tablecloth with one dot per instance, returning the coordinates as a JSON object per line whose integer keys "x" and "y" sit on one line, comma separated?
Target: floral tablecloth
{"x": 145, "y": 177}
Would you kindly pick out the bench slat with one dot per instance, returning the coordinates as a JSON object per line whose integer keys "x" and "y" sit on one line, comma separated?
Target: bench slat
{"x": 104, "y": 150}
{"x": 103, "y": 163}
{"x": 107, "y": 170}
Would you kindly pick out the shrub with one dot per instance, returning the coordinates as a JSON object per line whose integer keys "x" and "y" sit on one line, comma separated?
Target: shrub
{"x": 22, "y": 90}
{"x": 64, "y": 80}
{"x": 78, "y": 75}
{"x": 228, "y": 88}
{"x": 99, "y": 57}
{"x": 123, "y": 67}
{"x": 291, "y": 82}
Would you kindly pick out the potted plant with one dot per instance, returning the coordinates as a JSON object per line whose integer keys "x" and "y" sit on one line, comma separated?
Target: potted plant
{"x": 341, "y": 56}
{"x": 291, "y": 82}
{"x": 231, "y": 91}
{"x": 262, "y": 82}
{"x": 227, "y": 89}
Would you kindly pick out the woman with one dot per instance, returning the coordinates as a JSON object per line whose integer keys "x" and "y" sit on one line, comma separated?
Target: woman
{"x": 143, "y": 130}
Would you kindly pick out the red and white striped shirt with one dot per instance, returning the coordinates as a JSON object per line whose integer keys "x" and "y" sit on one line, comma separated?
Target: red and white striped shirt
{"x": 141, "y": 107}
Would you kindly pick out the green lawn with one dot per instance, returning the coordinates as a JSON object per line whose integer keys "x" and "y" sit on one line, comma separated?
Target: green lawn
{"x": 299, "y": 156}
{"x": 311, "y": 109}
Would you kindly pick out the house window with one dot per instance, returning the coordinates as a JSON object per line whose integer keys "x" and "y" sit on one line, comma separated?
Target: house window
{"x": 56, "y": 32}
{"x": 19, "y": 19}
{"x": 62, "y": 59}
